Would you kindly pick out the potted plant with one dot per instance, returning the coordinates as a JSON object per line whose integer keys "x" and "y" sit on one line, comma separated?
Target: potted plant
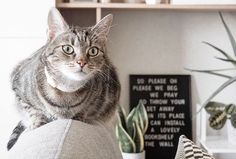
{"x": 130, "y": 132}
{"x": 220, "y": 112}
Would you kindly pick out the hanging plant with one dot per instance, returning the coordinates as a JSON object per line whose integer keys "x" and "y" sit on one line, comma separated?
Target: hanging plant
{"x": 220, "y": 112}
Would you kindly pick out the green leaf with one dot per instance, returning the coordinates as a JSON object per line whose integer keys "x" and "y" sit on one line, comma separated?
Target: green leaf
{"x": 215, "y": 70}
{"x": 217, "y": 121}
{"x": 122, "y": 117}
{"x": 230, "y": 109}
{"x": 212, "y": 72}
{"x": 143, "y": 117}
{"x": 213, "y": 107}
{"x": 130, "y": 120}
{"x": 233, "y": 120}
{"x": 231, "y": 38}
{"x": 221, "y": 51}
{"x": 226, "y": 60}
{"x": 138, "y": 119}
{"x": 134, "y": 131}
{"x": 218, "y": 90}
{"x": 233, "y": 117}
{"x": 141, "y": 123}
{"x": 126, "y": 143}
{"x": 138, "y": 138}
{"x": 218, "y": 49}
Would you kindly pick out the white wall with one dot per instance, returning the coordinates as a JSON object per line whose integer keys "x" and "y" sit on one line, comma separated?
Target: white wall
{"x": 142, "y": 42}
{"x": 165, "y": 42}
{"x": 22, "y": 31}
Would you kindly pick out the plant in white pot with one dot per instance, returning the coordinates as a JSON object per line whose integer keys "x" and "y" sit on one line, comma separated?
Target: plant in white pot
{"x": 130, "y": 132}
{"x": 220, "y": 112}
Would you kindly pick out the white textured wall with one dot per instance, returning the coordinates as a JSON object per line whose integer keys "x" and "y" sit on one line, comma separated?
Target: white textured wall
{"x": 164, "y": 42}
{"x": 22, "y": 31}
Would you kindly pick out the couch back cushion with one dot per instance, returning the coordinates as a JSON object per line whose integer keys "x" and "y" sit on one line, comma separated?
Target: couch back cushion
{"x": 67, "y": 139}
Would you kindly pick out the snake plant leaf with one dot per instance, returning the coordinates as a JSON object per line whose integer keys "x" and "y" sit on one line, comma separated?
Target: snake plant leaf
{"x": 125, "y": 141}
{"x": 130, "y": 120}
{"x": 122, "y": 117}
{"x": 213, "y": 72}
{"x": 218, "y": 90}
{"x": 134, "y": 131}
{"x": 138, "y": 138}
{"x": 143, "y": 117}
{"x": 231, "y": 38}
{"x": 141, "y": 123}
{"x": 221, "y": 51}
{"x": 213, "y": 107}
{"x": 138, "y": 119}
{"x": 218, "y": 120}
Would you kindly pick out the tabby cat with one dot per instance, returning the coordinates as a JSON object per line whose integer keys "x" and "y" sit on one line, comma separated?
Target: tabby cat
{"x": 69, "y": 77}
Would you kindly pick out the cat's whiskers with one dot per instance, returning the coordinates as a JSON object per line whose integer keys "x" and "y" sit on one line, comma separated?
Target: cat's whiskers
{"x": 106, "y": 77}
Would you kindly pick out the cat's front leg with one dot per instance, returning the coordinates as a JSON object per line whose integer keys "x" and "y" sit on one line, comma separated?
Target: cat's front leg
{"x": 36, "y": 120}
{"x": 35, "y": 116}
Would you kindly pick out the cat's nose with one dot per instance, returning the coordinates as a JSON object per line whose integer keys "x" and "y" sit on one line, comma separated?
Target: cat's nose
{"x": 81, "y": 62}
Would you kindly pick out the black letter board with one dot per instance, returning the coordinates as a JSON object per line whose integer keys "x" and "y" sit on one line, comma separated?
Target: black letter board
{"x": 167, "y": 100}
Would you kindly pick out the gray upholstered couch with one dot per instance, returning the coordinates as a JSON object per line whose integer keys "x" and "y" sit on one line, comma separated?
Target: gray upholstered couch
{"x": 67, "y": 139}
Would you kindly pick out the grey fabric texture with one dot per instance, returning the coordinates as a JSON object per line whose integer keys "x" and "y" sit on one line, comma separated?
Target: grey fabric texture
{"x": 68, "y": 139}
{"x": 188, "y": 150}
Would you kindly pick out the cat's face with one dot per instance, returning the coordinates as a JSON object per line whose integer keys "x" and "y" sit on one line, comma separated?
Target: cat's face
{"x": 76, "y": 53}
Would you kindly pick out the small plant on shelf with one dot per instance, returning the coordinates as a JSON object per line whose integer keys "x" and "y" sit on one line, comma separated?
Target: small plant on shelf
{"x": 130, "y": 129}
{"x": 220, "y": 112}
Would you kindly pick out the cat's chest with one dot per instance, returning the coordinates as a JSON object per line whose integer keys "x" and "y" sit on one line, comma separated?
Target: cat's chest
{"x": 62, "y": 113}
{"x": 61, "y": 110}
{"x": 62, "y": 105}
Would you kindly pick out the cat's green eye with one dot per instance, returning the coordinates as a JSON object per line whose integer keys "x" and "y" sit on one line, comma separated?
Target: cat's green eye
{"x": 68, "y": 49}
{"x": 93, "y": 51}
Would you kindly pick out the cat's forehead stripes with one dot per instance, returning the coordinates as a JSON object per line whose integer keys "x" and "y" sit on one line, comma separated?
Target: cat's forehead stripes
{"x": 82, "y": 35}
{"x": 72, "y": 39}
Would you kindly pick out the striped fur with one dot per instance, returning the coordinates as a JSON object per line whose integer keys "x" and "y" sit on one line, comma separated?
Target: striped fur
{"x": 52, "y": 84}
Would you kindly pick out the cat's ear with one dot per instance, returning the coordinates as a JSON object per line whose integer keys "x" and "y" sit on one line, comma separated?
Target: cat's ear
{"x": 56, "y": 24}
{"x": 103, "y": 26}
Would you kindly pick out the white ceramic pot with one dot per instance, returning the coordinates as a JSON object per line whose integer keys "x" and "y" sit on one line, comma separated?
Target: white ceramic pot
{"x": 231, "y": 131}
{"x": 133, "y": 155}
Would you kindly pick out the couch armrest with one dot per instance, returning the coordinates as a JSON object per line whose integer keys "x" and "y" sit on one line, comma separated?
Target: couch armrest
{"x": 67, "y": 139}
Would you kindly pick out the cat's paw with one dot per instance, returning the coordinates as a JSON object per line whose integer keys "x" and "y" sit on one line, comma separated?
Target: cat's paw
{"x": 35, "y": 125}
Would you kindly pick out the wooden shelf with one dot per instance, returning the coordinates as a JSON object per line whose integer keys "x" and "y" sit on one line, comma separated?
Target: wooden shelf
{"x": 145, "y": 6}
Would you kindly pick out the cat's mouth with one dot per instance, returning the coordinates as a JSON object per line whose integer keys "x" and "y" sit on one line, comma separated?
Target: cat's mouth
{"x": 75, "y": 69}
{"x": 66, "y": 81}
{"x": 73, "y": 73}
